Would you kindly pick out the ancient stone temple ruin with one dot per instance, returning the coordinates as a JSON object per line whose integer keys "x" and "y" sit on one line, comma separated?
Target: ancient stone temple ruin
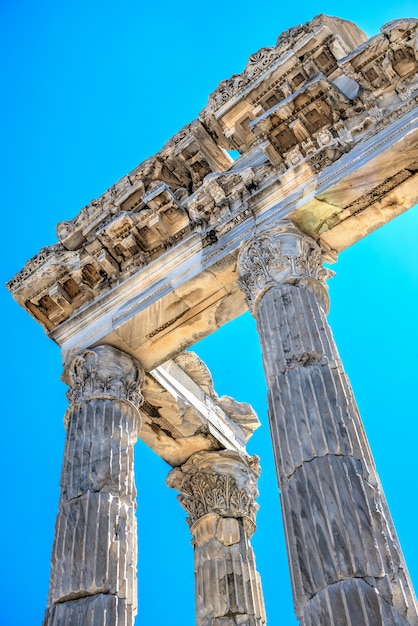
{"x": 324, "y": 125}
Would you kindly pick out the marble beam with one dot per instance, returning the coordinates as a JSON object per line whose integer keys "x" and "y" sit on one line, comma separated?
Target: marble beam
{"x": 218, "y": 490}
{"x": 93, "y": 565}
{"x": 345, "y": 559}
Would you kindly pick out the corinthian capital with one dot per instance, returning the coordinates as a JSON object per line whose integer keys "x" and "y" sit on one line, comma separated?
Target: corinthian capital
{"x": 224, "y": 483}
{"x": 282, "y": 255}
{"x": 104, "y": 372}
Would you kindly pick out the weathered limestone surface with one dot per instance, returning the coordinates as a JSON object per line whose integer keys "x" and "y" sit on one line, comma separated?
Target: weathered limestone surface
{"x": 93, "y": 568}
{"x": 345, "y": 560}
{"x": 93, "y": 565}
{"x": 326, "y": 126}
{"x": 218, "y": 490}
{"x": 182, "y": 413}
{"x": 103, "y": 609}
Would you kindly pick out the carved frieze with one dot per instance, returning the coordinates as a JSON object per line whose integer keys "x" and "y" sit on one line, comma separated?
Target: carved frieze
{"x": 281, "y": 256}
{"x": 337, "y": 37}
{"x": 180, "y": 165}
{"x": 307, "y": 126}
{"x": 298, "y": 108}
{"x": 386, "y": 59}
{"x": 275, "y": 73}
{"x": 365, "y": 83}
{"x": 222, "y": 196}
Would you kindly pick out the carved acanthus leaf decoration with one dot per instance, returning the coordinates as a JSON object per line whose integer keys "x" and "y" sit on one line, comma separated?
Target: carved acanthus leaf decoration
{"x": 104, "y": 373}
{"x": 205, "y": 493}
{"x": 281, "y": 256}
{"x": 217, "y": 482}
{"x": 258, "y": 266}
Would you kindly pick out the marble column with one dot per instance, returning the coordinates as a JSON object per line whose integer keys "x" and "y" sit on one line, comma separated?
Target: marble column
{"x": 93, "y": 565}
{"x": 218, "y": 491}
{"x": 345, "y": 560}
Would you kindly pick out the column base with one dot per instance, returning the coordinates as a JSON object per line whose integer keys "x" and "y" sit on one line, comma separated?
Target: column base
{"x": 98, "y": 610}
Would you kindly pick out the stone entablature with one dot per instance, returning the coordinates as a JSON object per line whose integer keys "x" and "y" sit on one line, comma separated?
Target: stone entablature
{"x": 278, "y": 73}
{"x": 182, "y": 414}
{"x": 159, "y": 184}
{"x": 315, "y": 45}
{"x": 326, "y": 124}
{"x": 322, "y": 85}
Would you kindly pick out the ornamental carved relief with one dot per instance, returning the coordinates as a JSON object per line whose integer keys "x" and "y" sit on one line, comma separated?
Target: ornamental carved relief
{"x": 222, "y": 482}
{"x": 281, "y": 256}
{"x": 298, "y": 108}
{"x": 104, "y": 372}
{"x": 262, "y": 60}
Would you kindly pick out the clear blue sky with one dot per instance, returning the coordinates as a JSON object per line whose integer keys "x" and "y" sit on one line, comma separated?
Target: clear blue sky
{"x": 90, "y": 89}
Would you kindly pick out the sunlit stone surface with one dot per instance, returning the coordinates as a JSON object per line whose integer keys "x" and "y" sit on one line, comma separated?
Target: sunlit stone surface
{"x": 325, "y": 123}
{"x": 93, "y": 565}
{"x": 218, "y": 490}
{"x": 345, "y": 560}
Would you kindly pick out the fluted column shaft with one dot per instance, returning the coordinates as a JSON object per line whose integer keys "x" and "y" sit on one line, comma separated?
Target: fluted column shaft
{"x": 93, "y": 565}
{"x": 218, "y": 490}
{"x": 345, "y": 559}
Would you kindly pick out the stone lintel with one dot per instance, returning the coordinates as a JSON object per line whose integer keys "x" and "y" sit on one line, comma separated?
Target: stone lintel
{"x": 197, "y": 419}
